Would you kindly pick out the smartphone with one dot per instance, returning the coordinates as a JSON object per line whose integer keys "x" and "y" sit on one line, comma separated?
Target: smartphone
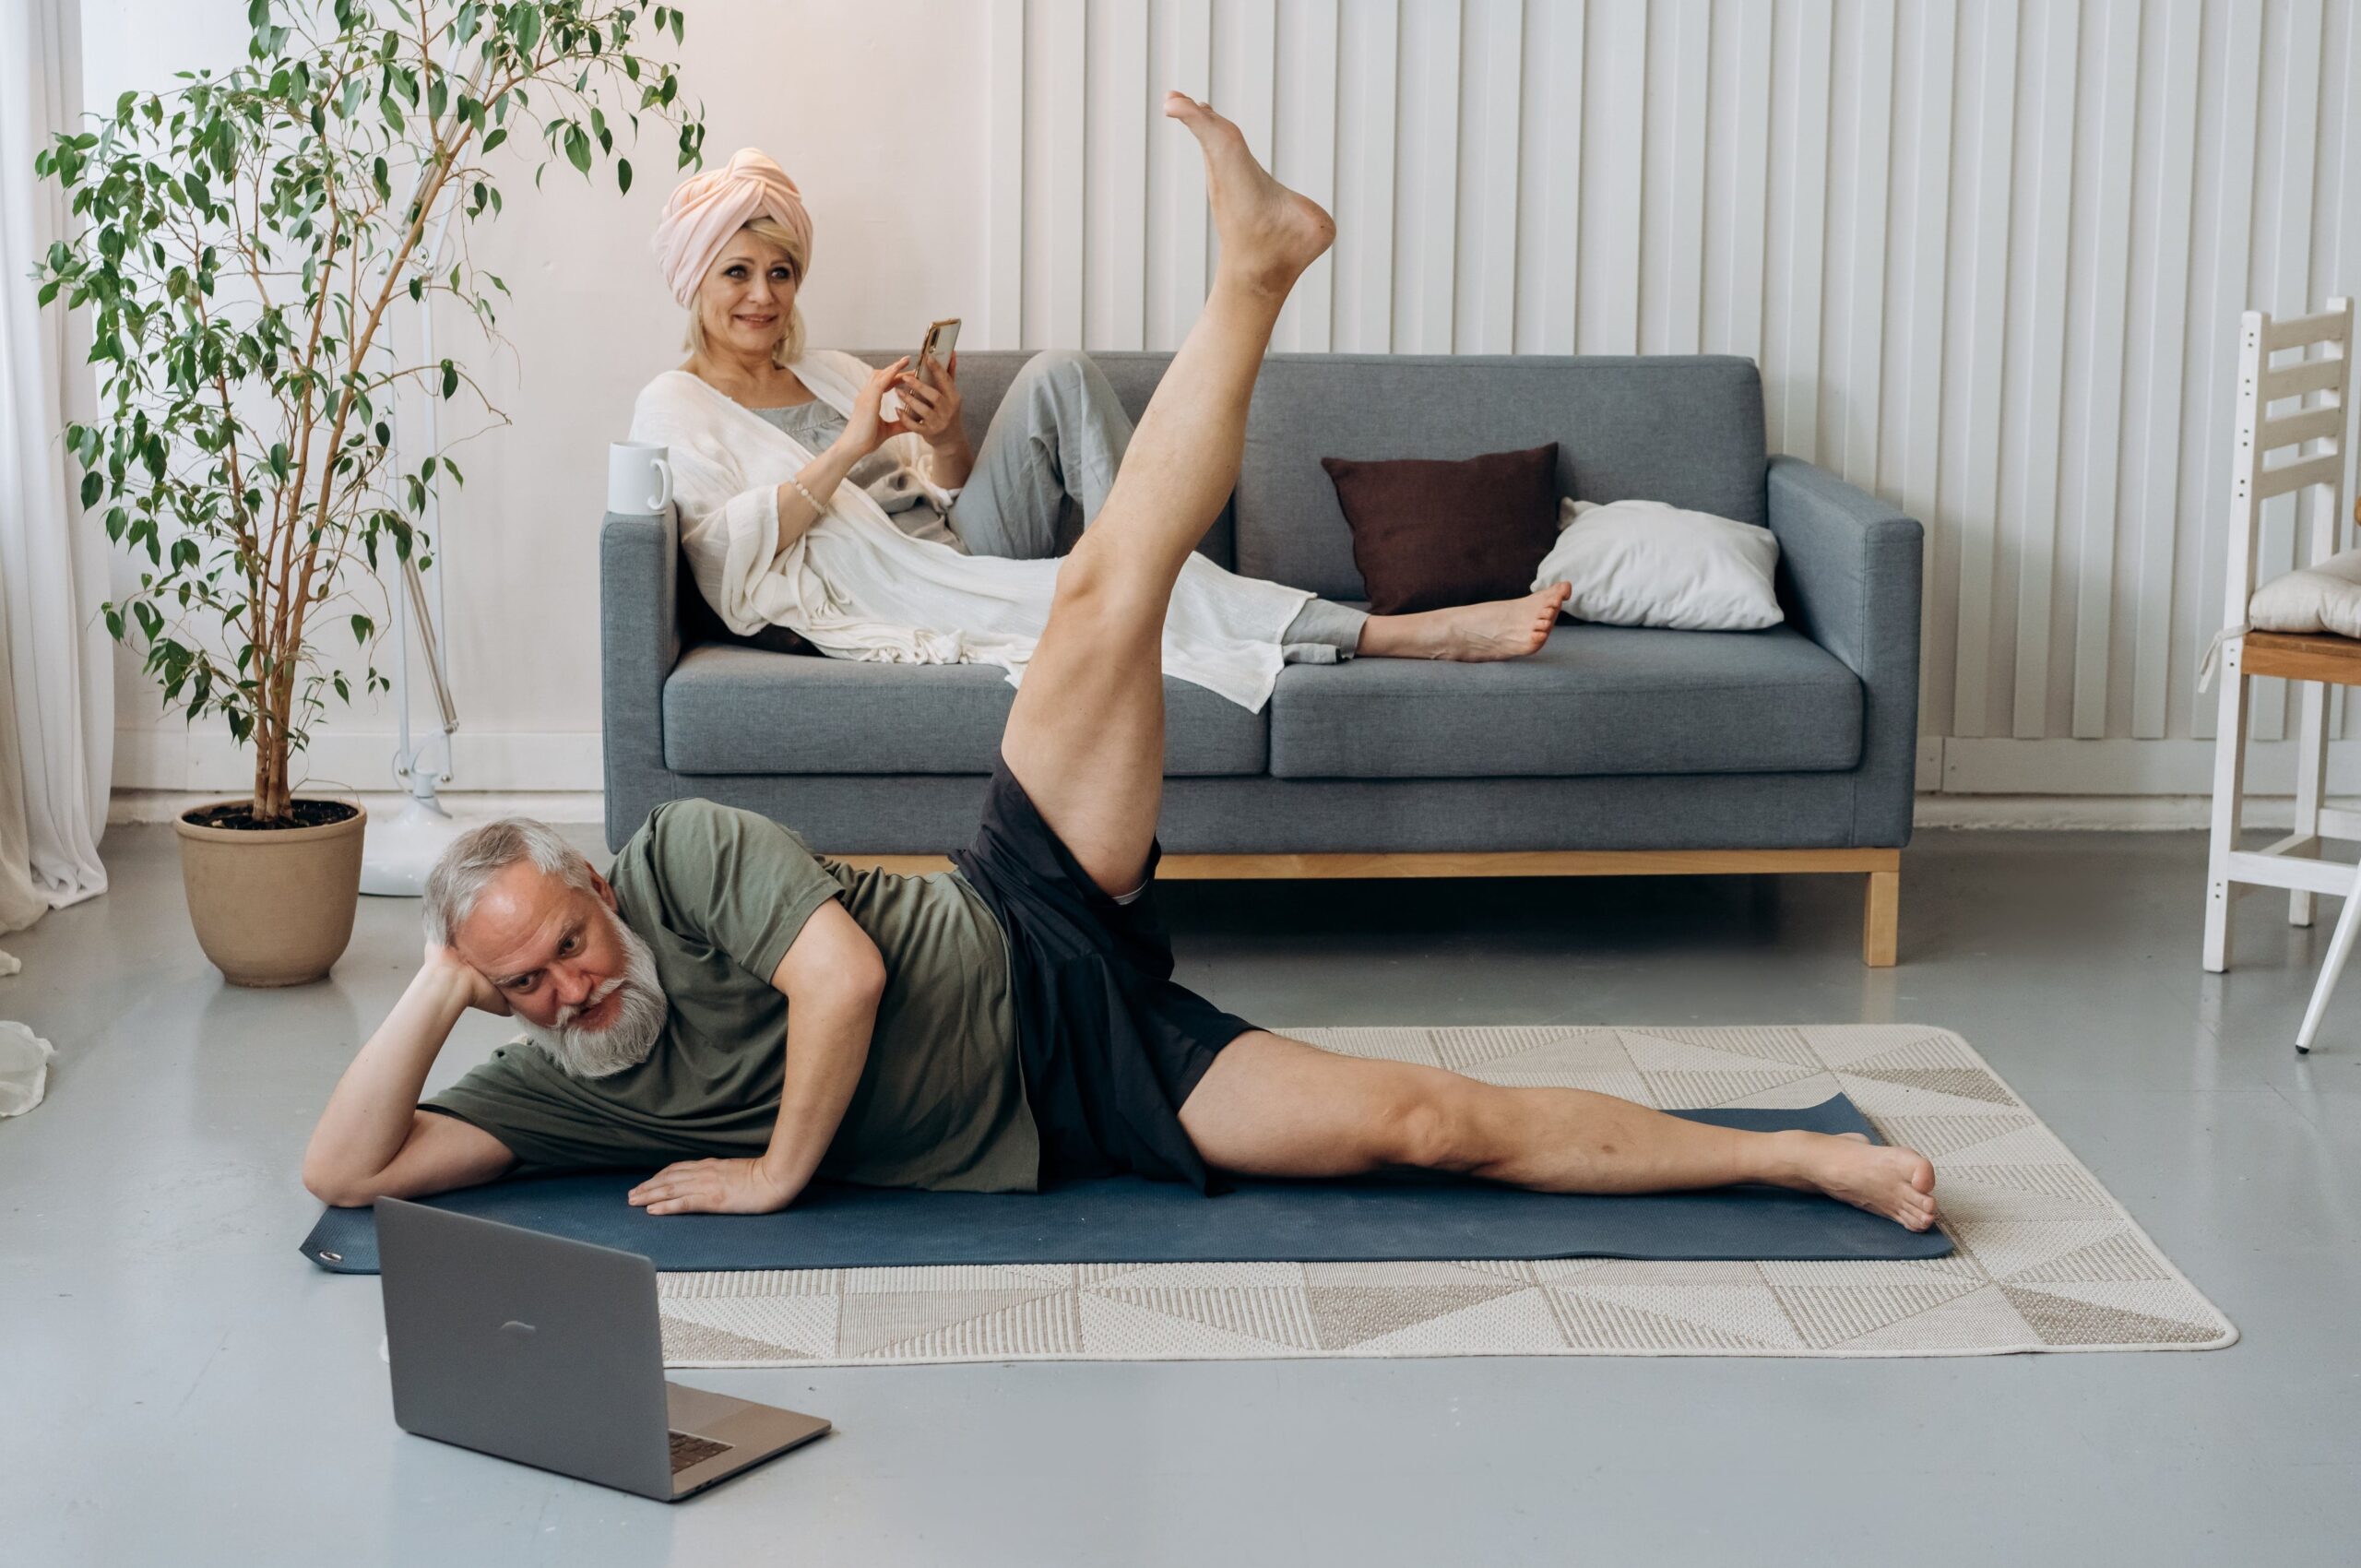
{"x": 940, "y": 339}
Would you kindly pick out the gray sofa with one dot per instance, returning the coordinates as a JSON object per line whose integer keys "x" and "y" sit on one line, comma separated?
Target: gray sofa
{"x": 1613, "y": 750}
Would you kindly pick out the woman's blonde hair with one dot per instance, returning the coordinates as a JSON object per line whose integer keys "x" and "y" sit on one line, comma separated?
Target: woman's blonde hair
{"x": 790, "y": 344}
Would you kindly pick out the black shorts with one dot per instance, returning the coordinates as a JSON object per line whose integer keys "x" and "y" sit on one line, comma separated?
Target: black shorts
{"x": 1111, "y": 1047}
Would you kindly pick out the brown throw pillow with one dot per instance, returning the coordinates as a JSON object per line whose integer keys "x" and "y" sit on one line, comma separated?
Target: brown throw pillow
{"x": 699, "y": 624}
{"x": 1429, "y": 533}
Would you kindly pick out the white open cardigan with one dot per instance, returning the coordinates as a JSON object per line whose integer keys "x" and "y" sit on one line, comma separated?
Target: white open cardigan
{"x": 858, "y": 586}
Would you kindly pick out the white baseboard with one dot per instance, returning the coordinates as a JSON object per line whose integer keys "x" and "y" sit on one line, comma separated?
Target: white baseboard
{"x": 2122, "y": 814}
{"x": 2105, "y": 814}
{"x": 565, "y": 809}
{"x": 2166, "y": 768}
{"x": 530, "y": 762}
{"x": 1971, "y": 783}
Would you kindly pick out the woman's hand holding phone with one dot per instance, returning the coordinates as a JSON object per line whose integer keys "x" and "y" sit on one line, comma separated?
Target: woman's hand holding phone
{"x": 932, "y": 404}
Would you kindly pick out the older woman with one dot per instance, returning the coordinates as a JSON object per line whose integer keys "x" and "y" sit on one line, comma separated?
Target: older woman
{"x": 936, "y": 551}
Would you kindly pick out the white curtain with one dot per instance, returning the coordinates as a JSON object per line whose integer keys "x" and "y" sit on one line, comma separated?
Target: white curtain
{"x": 56, "y": 695}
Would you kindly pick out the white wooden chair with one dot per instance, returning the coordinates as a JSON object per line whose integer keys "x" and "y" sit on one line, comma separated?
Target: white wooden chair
{"x": 2313, "y": 663}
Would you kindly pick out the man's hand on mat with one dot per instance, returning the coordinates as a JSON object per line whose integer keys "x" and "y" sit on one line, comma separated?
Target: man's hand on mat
{"x": 714, "y": 1186}
{"x": 470, "y": 981}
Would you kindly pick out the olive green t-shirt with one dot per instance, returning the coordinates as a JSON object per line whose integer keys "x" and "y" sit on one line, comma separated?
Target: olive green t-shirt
{"x": 720, "y": 895}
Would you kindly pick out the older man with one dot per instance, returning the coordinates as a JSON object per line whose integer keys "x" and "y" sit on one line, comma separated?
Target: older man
{"x": 986, "y": 1028}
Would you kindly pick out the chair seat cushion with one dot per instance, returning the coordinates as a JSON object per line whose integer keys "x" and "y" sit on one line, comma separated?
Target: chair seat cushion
{"x": 1595, "y": 700}
{"x": 729, "y": 710}
{"x": 2322, "y": 597}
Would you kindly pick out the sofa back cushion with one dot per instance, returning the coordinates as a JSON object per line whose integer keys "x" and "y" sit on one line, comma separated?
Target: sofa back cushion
{"x": 1683, "y": 429}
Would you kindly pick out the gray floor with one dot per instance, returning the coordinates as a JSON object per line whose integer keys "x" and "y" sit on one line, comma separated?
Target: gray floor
{"x": 178, "y": 1385}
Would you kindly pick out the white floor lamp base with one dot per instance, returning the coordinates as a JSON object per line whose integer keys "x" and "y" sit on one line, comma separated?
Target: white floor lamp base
{"x": 401, "y": 850}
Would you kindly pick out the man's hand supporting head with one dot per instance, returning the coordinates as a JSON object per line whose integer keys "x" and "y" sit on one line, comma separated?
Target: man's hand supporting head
{"x": 518, "y": 925}
{"x": 372, "y": 1141}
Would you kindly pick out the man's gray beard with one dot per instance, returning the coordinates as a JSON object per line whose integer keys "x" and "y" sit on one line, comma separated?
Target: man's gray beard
{"x": 600, "y": 1052}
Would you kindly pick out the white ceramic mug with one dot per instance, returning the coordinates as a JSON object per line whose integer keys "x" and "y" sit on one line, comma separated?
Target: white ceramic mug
{"x": 639, "y": 479}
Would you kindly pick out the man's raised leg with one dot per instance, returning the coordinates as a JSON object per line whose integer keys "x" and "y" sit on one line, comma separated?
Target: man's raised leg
{"x": 1085, "y": 737}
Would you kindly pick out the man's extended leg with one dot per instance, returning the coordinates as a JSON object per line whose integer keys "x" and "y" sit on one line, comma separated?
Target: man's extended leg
{"x": 1271, "y": 1106}
{"x": 1085, "y": 737}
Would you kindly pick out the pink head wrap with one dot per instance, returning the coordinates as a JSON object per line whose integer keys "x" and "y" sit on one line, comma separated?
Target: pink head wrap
{"x": 708, "y": 209}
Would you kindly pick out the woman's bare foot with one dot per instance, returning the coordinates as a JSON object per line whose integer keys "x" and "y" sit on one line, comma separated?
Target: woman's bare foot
{"x": 1469, "y": 634}
{"x": 1881, "y": 1178}
{"x": 1269, "y": 233}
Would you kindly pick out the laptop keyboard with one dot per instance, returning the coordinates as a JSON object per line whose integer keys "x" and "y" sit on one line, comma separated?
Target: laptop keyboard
{"x": 689, "y": 1449}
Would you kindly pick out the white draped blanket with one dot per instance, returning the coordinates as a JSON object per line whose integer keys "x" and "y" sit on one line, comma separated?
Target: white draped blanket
{"x": 858, "y": 586}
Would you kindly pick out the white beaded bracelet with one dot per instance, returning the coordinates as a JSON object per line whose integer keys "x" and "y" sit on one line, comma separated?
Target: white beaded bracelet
{"x": 811, "y": 500}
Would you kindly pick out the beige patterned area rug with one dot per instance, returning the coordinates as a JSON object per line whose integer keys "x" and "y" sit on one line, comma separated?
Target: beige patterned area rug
{"x": 2046, "y": 1259}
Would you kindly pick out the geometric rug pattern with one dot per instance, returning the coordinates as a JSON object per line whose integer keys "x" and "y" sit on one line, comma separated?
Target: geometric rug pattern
{"x": 2046, "y": 1259}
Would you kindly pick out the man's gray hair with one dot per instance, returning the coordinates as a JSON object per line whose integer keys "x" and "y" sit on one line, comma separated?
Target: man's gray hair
{"x": 484, "y": 852}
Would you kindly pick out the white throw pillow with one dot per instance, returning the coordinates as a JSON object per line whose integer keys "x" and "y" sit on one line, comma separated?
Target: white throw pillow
{"x": 2326, "y": 598}
{"x": 1647, "y": 563}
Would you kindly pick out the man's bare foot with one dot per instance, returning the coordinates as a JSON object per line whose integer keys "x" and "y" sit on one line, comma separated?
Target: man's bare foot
{"x": 1468, "y": 633}
{"x": 1881, "y": 1178}
{"x": 1269, "y": 233}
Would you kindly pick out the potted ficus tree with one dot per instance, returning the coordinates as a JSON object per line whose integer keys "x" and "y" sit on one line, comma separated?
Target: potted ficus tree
{"x": 246, "y": 240}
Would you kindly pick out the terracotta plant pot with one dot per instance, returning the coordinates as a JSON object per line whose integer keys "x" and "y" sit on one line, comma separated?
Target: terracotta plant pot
{"x": 272, "y": 907}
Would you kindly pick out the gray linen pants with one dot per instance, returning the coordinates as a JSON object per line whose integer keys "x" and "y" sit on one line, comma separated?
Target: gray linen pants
{"x": 1061, "y": 431}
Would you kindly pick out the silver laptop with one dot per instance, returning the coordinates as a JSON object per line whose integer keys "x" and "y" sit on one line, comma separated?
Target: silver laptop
{"x": 547, "y": 1352}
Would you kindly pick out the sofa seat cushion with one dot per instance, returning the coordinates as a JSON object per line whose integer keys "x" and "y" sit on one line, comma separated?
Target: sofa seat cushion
{"x": 1595, "y": 700}
{"x": 729, "y": 710}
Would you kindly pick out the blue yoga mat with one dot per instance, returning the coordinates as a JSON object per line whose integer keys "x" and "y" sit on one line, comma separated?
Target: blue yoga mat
{"x": 1128, "y": 1219}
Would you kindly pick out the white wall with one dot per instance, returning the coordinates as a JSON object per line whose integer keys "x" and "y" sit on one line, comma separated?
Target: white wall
{"x": 1990, "y": 258}
{"x": 872, "y": 110}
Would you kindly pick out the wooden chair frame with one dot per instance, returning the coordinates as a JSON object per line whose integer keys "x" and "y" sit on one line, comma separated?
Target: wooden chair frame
{"x": 2313, "y": 663}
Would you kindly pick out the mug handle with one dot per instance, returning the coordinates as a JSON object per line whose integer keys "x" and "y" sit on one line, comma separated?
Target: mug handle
{"x": 663, "y": 497}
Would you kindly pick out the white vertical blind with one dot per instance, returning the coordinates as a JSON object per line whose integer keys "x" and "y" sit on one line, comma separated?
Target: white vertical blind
{"x": 1990, "y": 258}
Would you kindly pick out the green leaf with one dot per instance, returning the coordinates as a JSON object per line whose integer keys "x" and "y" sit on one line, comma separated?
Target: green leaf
{"x": 499, "y": 133}
{"x": 528, "y": 18}
{"x": 623, "y": 182}
{"x": 578, "y": 147}
{"x": 362, "y": 627}
{"x": 93, "y": 485}
{"x": 450, "y": 378}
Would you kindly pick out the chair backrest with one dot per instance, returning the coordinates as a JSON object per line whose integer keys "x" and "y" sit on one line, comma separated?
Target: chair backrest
{"x": 2318, "y": 385}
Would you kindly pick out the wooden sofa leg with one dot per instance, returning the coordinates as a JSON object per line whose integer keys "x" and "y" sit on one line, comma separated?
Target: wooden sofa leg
{"x": 1880, "y": 918}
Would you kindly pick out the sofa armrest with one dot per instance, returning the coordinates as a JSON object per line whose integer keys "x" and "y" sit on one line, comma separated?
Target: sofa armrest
{"x": 639, "y": 641}
{"x": 1849, "y": 568}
